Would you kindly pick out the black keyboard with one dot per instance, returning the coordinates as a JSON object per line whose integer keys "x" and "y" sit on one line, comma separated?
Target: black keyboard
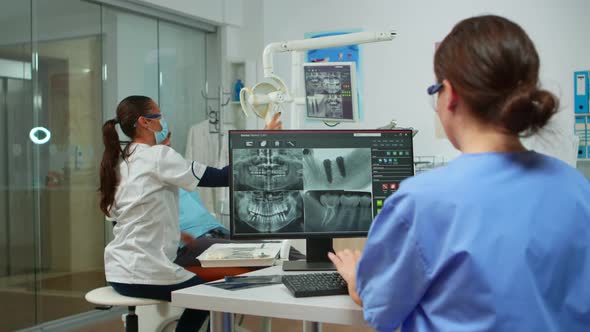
{"x": 315, "y": 284}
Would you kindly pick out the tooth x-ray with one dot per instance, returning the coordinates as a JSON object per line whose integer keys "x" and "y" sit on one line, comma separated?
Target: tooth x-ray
{"x": 327, "y": 211}
{"x": 325, "y": 106}
{"x": 318, "y": 184}
{"x": 324, "y": 94}
{"x": 268, "y": 212}
{"x": 330, "y": 93}
{"x": 337, "y": 169}
{"x": 268, "y": 169}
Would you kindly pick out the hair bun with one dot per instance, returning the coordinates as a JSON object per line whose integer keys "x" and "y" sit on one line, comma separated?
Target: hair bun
{"x": 527, "y": 111}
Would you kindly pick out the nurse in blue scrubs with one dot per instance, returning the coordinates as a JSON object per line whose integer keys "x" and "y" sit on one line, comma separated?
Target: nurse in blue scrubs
{"x": 497, "y": 240}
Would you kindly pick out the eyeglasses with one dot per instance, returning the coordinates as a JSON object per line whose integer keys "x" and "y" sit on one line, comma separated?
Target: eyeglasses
{"x": 150, "y": 116}
{"x": 432, "y": 90}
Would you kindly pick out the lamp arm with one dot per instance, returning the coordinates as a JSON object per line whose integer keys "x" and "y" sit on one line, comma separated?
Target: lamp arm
{"x": 319, "y": 43}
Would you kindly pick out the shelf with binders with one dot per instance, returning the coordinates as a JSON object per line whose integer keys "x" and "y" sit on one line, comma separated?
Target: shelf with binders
{"x": 582, "y": 131}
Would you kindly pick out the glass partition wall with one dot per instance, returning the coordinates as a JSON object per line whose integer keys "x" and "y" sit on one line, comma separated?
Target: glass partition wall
{"x": 17, "y": 192}
{"x": 64, "y": 65}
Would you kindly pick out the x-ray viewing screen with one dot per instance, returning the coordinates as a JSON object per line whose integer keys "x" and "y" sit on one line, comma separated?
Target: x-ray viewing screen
{"x": 330, "y": 91}
{"x": 306, "y": 183}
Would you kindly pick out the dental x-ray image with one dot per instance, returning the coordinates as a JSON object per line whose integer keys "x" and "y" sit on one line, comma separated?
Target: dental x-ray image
{"x": 325, "y": 106}
{"x": 337, "y": 169}
{"x": 268, "y": 169}
{"x": 337, "y": 211}
{"x": 268, "y": 212}
{"x": 329, "y": 89}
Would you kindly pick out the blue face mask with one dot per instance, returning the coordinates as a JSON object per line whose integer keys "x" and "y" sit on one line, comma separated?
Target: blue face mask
{"x": 162, "y": 134}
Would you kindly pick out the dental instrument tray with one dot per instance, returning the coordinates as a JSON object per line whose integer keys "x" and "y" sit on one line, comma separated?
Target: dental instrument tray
{"x": 240, "y": 254}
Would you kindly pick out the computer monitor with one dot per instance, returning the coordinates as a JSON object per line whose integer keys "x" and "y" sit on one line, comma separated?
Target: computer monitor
{"x": 330, "y": 91}
{"x": 313, "y": 184}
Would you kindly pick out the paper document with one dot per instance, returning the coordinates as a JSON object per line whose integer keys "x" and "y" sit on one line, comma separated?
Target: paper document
{"x": 240, "y": 254}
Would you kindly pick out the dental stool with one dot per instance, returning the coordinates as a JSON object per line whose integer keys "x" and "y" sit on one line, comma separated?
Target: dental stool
{"x": 155, "y": 314}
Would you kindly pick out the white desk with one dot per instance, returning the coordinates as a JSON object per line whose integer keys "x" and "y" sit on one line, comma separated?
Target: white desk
{"x": 269, "y": 301}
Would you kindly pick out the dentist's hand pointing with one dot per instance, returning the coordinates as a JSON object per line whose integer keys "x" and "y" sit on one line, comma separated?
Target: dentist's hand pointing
{"x": 274, "y": 123}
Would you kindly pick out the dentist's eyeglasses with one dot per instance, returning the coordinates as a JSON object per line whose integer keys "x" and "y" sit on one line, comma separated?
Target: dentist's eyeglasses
{"x": 153, "y": 116}
{"x": 432, "y": 91}
{"x": 150, "y": 116}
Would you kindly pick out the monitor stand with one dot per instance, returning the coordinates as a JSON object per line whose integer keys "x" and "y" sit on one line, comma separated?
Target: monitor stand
{"x": 317, "y": 257}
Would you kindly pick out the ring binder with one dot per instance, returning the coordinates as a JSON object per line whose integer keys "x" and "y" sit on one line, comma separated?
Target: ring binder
{"x": 581, "y": 92}
{"x": 581, "y": 112}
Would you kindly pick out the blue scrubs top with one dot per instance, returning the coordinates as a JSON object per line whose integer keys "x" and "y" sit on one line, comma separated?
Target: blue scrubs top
{"x": 194, "y": 218}
{"x": 490, "y": 242}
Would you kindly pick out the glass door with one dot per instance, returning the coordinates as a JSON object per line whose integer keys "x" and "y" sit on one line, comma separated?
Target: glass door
{"x": 17, "y": 202}
{"x": 17, "y": 193}
{"x": 51, "y": 231}
{"x": 66, "y": 76}
{"x": 64, "y": 66}
{"x": 130, "y": 58}
{"x": 182, "y": 78}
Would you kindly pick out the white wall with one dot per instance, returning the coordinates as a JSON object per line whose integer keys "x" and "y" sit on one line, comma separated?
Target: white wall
{"x": 245, "y": 43}
{"x": 397, "y": 73}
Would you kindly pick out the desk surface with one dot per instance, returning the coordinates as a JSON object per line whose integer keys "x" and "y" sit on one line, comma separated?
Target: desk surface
{"x": 271, "y": 301}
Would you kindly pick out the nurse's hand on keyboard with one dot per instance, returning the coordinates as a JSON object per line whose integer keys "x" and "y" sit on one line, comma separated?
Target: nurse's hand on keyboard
{"x": 346, "y": 262}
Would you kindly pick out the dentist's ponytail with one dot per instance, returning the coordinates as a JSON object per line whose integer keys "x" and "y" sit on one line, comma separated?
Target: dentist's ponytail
{"x": 128, "y": 112}
{"x": 108, "y": 166}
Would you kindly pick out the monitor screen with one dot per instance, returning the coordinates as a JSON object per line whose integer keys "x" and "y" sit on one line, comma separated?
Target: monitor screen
{"x": 313, "y": 184}
{"x": 330, "y": 91}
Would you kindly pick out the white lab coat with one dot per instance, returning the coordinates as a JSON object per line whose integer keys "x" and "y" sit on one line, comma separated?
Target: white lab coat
{"x": 146, "y": 211}
{"x": 204, "y": 146}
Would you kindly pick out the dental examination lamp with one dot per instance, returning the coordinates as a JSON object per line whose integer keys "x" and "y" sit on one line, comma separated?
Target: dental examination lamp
{"x": 267, "y": 97}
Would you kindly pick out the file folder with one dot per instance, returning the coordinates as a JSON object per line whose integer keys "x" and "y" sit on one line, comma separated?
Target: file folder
{"x": 581, "y": 130}
{"x": 581, "y": 92}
